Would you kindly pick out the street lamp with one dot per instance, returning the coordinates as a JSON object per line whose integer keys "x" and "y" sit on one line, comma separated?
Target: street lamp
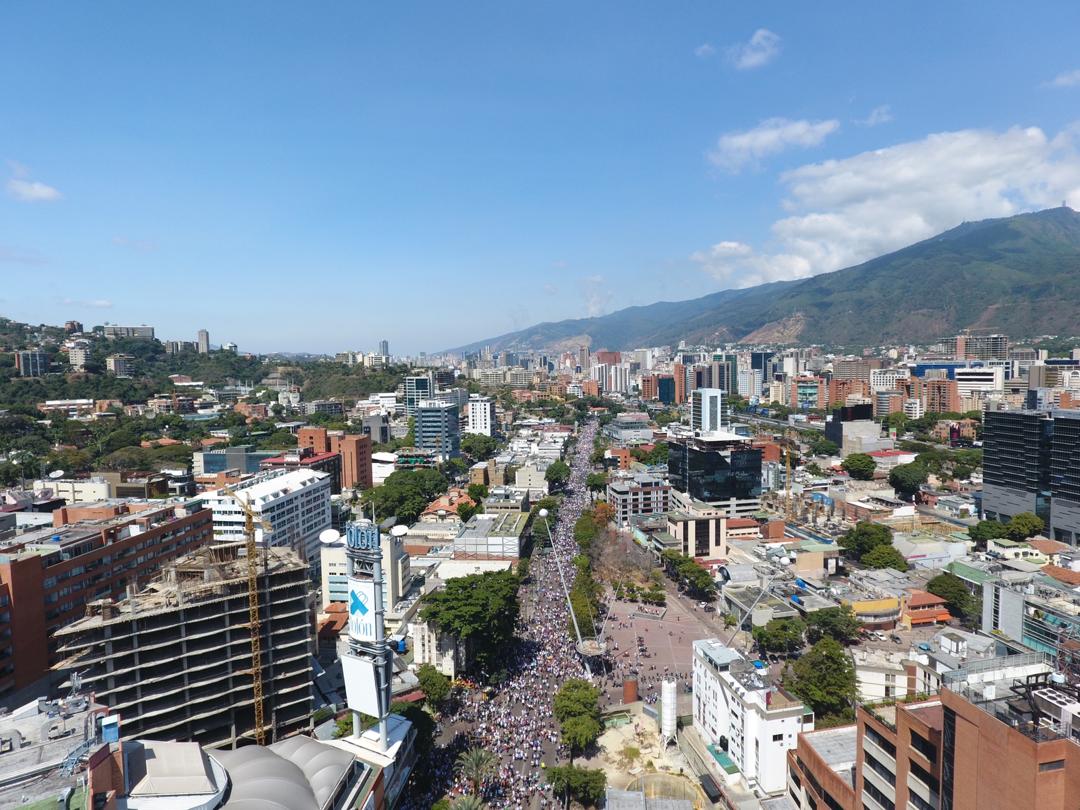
{"x": 569, "y": 605}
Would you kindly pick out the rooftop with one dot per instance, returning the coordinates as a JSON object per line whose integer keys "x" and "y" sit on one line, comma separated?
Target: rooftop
{"x": 837, "y": 747}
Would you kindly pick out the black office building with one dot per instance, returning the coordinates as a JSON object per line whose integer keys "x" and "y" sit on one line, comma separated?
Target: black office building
{"x": 725, "y": 473}
{"x": 1016, "y": 464}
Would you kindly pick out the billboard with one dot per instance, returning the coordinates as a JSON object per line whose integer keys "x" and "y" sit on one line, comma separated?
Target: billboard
{"x": 361, "y": 609}
{"x": 361, "y": 685}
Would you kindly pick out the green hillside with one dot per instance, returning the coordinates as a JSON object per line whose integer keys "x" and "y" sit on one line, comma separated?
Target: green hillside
{"x": 1019, "y": 275}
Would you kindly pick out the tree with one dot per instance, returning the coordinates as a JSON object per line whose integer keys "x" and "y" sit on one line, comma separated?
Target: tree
{"x": 596, "y": 482}
{"x": 986, "y": 530}
{"x": 955, "y": 593}
{"x": 859, "y": 466}
{"x": 479, "y": 447}
{"x": 1024, "y": 525}
{"x": 435, "y": 685}
{"x": 884, "y": 557}
{"x": 864, "y": 537}
{"x": 825, "y": 679}
{"x": 820, "y": 446}
{"x": 479, "y": 611}
{"x": 478, "y": 492}
{"x": 585, "y": 785}
{"x": 780, "y": 636}
{"x": 838, "y": 622}
{"x": 465, "y": 511}
{"x": 475, "y": 765}
{"x": 907, "y": 478}
{"x": 576, "y": 697}
{"x": 558, "y": 473}
{"x": 579, "y": 732}
{"x": 468, "y": 803}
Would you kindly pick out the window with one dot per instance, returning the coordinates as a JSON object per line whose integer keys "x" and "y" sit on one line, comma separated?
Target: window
{"x": 948, "y": 750}
{"x": 1052, "y": 765}
{"x": 923, "y": 746}
{"x": 920, "y": 773}
{"x": 880, "y": 741}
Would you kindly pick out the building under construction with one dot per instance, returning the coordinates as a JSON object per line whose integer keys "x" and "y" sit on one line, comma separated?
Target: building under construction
{"x": 175, "y": 660}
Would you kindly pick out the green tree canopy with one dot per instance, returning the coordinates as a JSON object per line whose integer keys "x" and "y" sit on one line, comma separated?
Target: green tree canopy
{"x": 986, "y": 530}
{"x": 780, "y": 635}
{"x": 480, "y": 611}
{"x": 838, "y": 622}
{"x": 576, "y": 697}
{"x": 1025, "y": 525}
{"x": 435, "y": 685}
{"x": 558, "y": 473}
{"x": 884, "y": 557}
{"x": 864, "y": 537}
{"x": 859, "y": 466}
{"x": 907, "y": 478}
{"x": 476, "y": 765}
{"x": 478, "y": 492}
{"x": 820, "y": 446}
{"x": 405, "y": 494}
{"x": 825, "y": 679}
{"x": 579, "y": 732}
{"x": 596, "y": 482}
{"x": 691, "y": 576}
{"x": 955, "y": 593}
{"x": 584, "y": 785}
{"x": 479, "y": 447}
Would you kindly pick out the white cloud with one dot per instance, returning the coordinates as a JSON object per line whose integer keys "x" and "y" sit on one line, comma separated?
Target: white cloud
{"x": 704, "y": 51}
{"x": 94, "y": 303}
{"x": 878, "y": 115}
{"x": 843, "y": 212}
{"x": 1070, "y": 78}
{"x": 762, "y": 48}
{"x": 735, "y": 150}
{"x": 595, "y": 294}
{"x": 31, "y": 191}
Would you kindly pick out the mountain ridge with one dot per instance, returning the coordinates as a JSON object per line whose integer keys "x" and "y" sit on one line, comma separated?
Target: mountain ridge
{"x": 1018, "y": 275}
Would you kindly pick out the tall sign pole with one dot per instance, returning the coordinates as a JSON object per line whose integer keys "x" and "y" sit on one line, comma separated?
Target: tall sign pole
{"x": 368, "y": 665}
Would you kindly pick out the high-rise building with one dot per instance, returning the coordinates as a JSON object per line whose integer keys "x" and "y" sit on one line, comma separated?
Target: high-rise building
{"x": 649, "y": 388}
{"x": 940, "y": 396}
{"x": 966, "y": 346}
{"x": 175, "y": 658}
{"x": 122, "y": 365}
{"x": 47, "y": 576}
{"x": 31, "y": 363}
{"x": 384, "y": 348}
{"x": 437, "y": 428}
{"x": 296, "y": 504}
{"x": 725, "y": 372}
{"x": 1016, "y": 463}
{"x": 79, "y": 355}
{"x": 417, "y": 387}
{"x": 665, "y": 389}
{"x": 353, "y": 451}
{"x": 808, "y": 392}
{"x": 679, "y": 372}
{"x": 481, "y": 415}
{"x": 204, "y": 341}
{"x": 707, "y": 410}
{"x": 723, "y": 470}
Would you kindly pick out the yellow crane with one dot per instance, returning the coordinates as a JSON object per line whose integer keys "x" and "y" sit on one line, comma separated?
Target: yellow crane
{"x": 253, "y": 608}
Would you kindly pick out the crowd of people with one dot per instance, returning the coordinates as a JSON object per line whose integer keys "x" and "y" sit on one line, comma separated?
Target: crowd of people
{"x": 515, "y": 721}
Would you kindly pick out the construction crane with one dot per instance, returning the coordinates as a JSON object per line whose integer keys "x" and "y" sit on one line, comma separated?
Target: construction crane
{"x": 250, "y": 521}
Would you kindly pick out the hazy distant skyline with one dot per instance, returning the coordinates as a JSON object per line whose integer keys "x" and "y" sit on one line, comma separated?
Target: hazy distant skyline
{"x": 318, "y": 178}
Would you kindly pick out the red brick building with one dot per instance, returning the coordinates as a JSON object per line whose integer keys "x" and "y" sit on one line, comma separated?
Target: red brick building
{"x": 48, "y": 576}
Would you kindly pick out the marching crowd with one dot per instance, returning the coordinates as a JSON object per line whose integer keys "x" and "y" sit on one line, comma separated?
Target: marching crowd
{"x": 516, "y": 723}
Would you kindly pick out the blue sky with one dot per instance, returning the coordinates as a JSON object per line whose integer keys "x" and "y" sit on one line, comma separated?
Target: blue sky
{"x": 316, "y": 177}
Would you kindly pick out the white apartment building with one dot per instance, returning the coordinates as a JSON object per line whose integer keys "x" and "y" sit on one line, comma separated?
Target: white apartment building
{"x": 735, "y": 705}
{"x": 707, "y": 410}
{"x": 970, "y": 382}
{"x": 887, "y": 379}
{"x": 79, "y": 355}
{"x": 480, "y": 415}
{"x": 914, "y": 408}
{"x": 76, "y": 490}
{"x": 296, "y": 504}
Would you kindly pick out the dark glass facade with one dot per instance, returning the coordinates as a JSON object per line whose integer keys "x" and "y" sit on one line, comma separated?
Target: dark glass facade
{"x": 714, "y": 473}
{"x": 665, "y": 390}
{"x": 1016, "y": 463}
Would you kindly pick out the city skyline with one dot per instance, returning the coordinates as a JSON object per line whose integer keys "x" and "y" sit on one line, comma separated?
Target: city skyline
{"x": 550, "y": 163}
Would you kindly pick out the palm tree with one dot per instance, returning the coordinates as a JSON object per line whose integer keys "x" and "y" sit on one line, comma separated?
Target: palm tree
{"x": 476, "y": 765}
{"x": 469, "y": 803}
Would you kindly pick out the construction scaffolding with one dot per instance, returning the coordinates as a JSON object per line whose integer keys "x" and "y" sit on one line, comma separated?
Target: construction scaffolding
{"x": 176, "y": 659}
